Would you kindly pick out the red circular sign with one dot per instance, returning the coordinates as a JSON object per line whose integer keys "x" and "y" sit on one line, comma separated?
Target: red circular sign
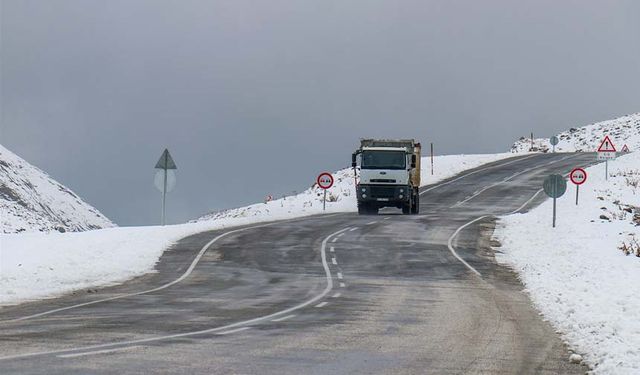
{"x": 325, "y": 180}
{"x": 578, "y": 176}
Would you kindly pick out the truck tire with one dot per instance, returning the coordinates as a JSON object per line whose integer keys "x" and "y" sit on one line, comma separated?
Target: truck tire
{"x": 415, "y": 206}
{"x": 406, "y": 209}
{"x": 362, "y": 208}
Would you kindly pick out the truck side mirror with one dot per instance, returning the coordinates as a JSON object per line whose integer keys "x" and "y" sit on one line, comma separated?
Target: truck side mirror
{"x": 413, "y": 161}
{"x": 353, "y": 160}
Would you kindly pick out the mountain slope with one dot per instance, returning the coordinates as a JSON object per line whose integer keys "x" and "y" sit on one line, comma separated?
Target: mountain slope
{"x": 622, "y": 130}
{"x": 31, "y": 201}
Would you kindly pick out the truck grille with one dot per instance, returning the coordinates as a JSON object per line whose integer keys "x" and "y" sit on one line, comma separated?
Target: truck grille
{"x": 383, "y": 180}
{"x": 382, "y": 192}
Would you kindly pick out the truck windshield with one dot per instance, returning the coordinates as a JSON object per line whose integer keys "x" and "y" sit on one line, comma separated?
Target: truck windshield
{"x": 383, "y": 160}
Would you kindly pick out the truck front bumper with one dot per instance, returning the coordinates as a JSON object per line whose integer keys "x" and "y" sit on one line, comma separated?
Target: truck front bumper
{"x": 383, "y": 193}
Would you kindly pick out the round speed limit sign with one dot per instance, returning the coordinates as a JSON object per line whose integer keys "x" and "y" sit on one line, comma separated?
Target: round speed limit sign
{"x": 578, "y": 176}
{"x": 325, "y": 180}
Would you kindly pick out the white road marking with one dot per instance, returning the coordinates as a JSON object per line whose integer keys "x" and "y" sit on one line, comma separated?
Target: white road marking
{"x": 340, "y": 275}
{"x": 343, "y": 285}
{"x": 334, "y": 261}
{"x": 106, "y": 351}
{"x": 334, "y": 240}
{"x": 311, "y": 301}
{"x": 387, "y": 218}
{"x": 322, "y": 304}
{"x": 353, "y": 229}
{"x": 336, "y": 295}
{"x": 340, "y": 235}
{"x": 233, "y": 331}
{"x": 371, "y": 223}
{"x": 333, "y": 249}
{"x": 283, "y": 318}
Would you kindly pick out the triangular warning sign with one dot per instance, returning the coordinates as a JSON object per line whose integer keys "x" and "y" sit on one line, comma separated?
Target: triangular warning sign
{"x": 625, "y": 148}
{"x": 606, "y": 145}
{"x": 166, "y": 161}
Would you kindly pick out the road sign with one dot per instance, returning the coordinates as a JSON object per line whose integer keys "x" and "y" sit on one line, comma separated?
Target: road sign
{"x": 325, "y": 180}
{"x": 554, "y": 141}
{"x": 578, "y": 176}
{"x": 625, "y": 149}
{"x": 164, "y": 180}
{"x": 606, "y": 151}
{"x": 554, "y": 186}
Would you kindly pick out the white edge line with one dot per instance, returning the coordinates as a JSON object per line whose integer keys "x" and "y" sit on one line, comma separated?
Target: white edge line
{"x": 105, "y": 351}
{"x": 311, "y": 301}
{"x": 283, "y": 318}
{"x": 233, "y": 331}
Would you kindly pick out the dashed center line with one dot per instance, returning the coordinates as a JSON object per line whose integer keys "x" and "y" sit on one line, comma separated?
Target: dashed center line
{"x": 335, "y": 239}
{"x": 333, "y": 249}
{"x": 343, "y": 285}
{"x": 372, "y": 222}
{"x": 284, "y": 318}
{"x": 353, "y": 229}
{"x": 322, "y": 304}
{"x": 334, "y": 261}
{"x": 340, "y": 275}
{"x": 336, "y": 295}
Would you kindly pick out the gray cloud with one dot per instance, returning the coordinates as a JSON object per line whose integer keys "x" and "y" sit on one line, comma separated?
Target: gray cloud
{"x": 257, "y": 97}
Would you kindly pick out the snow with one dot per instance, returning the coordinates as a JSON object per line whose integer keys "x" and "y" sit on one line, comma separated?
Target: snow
{"x": 43, "y": 265}
{"x": 576, "y": 274}
{"x": 31, "y": 201}
{"x": 622, "y": 130}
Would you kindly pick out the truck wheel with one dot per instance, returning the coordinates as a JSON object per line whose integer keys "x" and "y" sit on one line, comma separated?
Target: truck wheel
{"x": 415, "y": 207}
{"x": 406, "y": 209}
{"x": 362, "y": 208}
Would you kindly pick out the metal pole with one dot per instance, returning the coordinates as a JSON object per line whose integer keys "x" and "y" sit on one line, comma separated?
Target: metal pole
{"x": 577, "y": 193}
{"x": 164, "y": 196}
{"x": 606, "y": 169}
{"x": 531, "y": 142}
{"x": 324, "y": 201}
{"x": 431, "y": 158}
{"x": 554, "y": 204}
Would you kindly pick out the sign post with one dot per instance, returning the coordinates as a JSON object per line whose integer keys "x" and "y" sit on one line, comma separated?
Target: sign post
{"x": 554, "y": 186}
{"x": 165, "y": 181}
{"x": 432, "y": 158}
{"x": 606, "y": 151}
{"x": 325, "y": 181}
{"x": 554, "y": 141}
{"x": 578, "y": 176}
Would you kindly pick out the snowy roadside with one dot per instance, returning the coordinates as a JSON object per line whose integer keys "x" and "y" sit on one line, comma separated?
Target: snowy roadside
{"x": 38, "y": 265}
{"x": 576, "y": 274}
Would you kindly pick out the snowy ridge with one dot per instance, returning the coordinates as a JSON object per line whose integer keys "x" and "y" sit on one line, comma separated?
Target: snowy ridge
{"x": 622, "y": 130}
{"x": 31, "y": 201}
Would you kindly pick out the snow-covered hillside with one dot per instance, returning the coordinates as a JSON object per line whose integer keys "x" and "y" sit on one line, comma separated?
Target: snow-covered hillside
{"x": 623, "y": 130}
{"x": 31, "y": 201}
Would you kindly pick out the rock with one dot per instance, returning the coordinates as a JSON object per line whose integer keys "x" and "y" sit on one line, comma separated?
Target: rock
{"x": 604, "y": 217}
{"x": 575, "y": 358}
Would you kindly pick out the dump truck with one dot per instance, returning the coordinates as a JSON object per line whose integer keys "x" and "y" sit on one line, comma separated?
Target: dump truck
{"x": 389, "y": 175}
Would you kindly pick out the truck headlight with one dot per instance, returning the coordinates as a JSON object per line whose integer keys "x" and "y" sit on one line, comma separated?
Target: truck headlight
{"x": 364, "y": 195}
{"x": 363, "y": 190}
{"x": 402, "y": 191}
{"x": 400, "y": 196}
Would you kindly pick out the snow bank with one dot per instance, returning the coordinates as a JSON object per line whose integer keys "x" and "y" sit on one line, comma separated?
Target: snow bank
{"x": 34, "y": 266}
{"x": 576, "y": 274}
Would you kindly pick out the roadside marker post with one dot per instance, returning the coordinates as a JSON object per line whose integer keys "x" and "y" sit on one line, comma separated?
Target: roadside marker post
{"x": 606, "y": 151}
{"x": 554, "y": 141}
{"x": 324, "y": 181}
{"x": 165, "y": 181}
{"x": 432, "y": 158}
{"x": 554, "y": 186}
{"x": 625, "y": 149}
{"x": 578, "y": 176}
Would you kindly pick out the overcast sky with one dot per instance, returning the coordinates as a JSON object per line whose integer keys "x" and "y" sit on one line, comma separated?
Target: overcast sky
{"x": 257, "y": 97}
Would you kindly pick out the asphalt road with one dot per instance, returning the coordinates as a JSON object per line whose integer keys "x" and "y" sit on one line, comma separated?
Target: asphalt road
{"x": 331, "y": 294}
